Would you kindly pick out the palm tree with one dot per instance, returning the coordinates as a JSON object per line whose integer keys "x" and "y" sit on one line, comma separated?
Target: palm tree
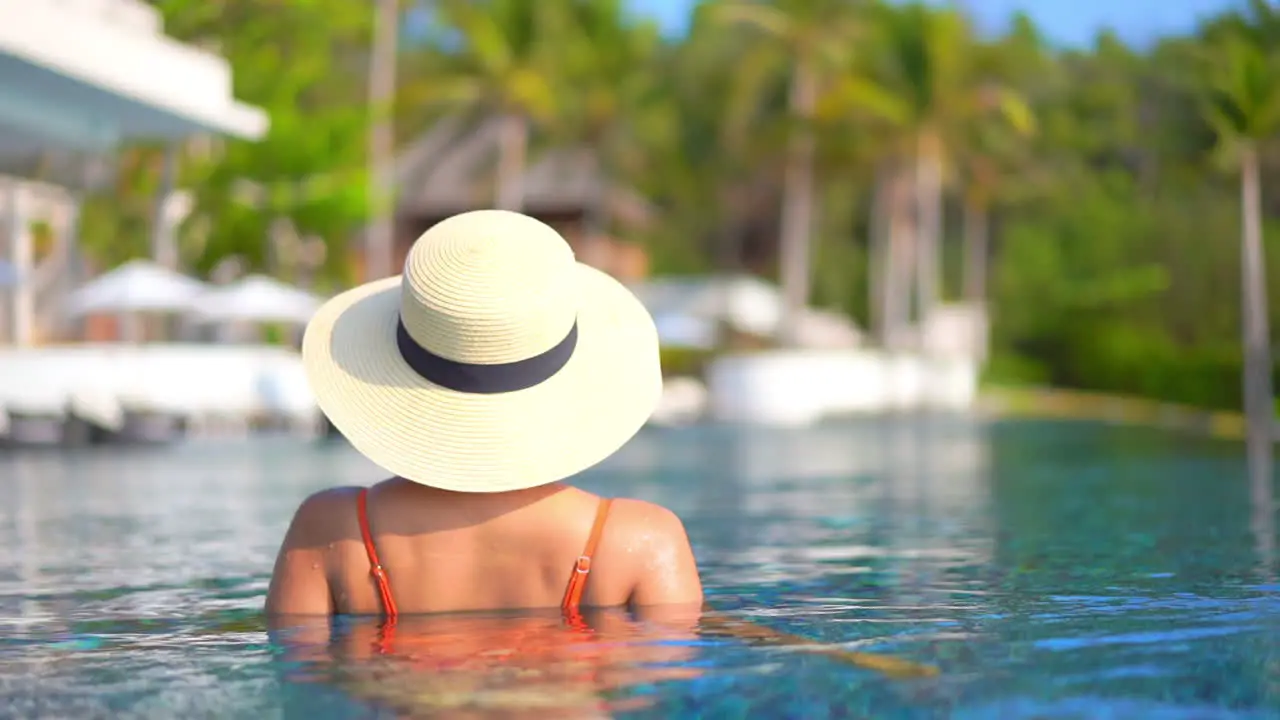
{"x": 927, "y": 55}
{"x": 720, "y": 158}
{"x": 866, "y": 124}
{"x": 1242, "y": 101}
{"x": 610, "y": 106}
{"x": 495, "y": 60}
{"x": 988, "y": 151}
{"x": 931, "y": 87}
{"x": 812, "y": 35}
{"x": 380, "y": 240}
{"x": 995, "y": 144}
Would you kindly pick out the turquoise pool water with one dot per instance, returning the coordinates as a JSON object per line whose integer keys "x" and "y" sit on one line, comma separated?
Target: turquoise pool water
{"x": 1047, "y": 570}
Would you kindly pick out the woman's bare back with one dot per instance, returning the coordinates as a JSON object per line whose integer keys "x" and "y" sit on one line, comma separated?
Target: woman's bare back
{"x": 444, "y": 551}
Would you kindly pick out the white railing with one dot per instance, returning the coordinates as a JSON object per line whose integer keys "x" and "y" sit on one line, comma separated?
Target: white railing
{"x": 131, "y": 15}
{"x": 209, "y": 385}
{"x": 801, "y": 387}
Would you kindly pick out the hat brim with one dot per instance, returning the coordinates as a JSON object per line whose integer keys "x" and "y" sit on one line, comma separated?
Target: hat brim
{"x": 469, "y": 442}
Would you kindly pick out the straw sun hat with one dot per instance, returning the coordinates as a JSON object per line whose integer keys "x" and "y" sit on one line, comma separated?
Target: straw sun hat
{"x": 496, "y": 362}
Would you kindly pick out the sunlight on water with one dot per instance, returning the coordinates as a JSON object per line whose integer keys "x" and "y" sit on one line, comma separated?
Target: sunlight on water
{"x": 1047, "y": 570}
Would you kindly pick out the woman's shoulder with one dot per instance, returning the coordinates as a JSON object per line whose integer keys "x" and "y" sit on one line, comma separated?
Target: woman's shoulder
{"x": 642, "y": 511}
{"x": 325, "y": 512}
{"x": 651, "y": 541}
{"x": 334, "y": 499}
{"x": 328, "y": 499}
{"x": 641, "y": 518}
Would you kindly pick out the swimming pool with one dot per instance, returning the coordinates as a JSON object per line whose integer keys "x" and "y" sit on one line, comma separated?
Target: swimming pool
{"x": 1046, "y": 569}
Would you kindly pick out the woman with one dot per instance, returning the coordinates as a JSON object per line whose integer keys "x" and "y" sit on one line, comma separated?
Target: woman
{"x": 492, "y": 370}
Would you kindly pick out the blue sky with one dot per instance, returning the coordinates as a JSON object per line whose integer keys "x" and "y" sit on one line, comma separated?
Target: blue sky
{"x": 1071, "y": 22}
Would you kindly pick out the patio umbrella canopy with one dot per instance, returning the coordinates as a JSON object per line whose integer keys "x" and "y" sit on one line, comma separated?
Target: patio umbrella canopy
{"x": 257, "y": 298}
{"x": 136, "y": 287}
{"x": 745, "y": 302}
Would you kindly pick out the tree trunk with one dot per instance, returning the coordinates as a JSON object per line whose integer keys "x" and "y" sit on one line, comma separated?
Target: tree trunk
{"x": 1258, "y": 402}
{"x": 728, "y": 266}
{"x": 164, "y": 247}
{"x": 22, "y": 292}
{"x": 380, "y": 235}
{"x": 901, "y": 256}
{"x": 512, "y": 147}
{"x": 878, "y": 255}
{"x": 797, "y": 205}
{"x": 976, "y": 236}
{"x": 928, "y": 226}
{"x": 596, "y": 219}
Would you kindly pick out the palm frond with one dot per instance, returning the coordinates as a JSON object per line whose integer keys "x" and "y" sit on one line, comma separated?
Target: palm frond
{"x": 768, "y": 19}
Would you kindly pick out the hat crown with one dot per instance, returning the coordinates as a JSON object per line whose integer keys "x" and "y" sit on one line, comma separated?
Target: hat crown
{"x": 489, "y": 287}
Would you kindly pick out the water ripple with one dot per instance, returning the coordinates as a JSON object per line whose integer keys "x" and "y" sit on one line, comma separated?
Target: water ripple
{"x": 1048, "y": 571}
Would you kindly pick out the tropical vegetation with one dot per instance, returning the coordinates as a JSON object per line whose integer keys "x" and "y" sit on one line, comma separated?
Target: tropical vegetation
{"x": 1113, "y": 206}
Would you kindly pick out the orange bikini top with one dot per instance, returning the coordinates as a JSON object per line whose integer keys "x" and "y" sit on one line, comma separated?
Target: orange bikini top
{"x": 572, "y": 594}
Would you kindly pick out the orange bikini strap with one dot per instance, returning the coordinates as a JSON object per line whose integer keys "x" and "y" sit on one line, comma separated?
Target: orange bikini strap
{"x": 375, "y": 565}
{"x": 578, "y": 581}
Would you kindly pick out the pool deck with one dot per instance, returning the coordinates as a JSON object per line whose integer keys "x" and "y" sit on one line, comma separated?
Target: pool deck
{"x": 115, "y": 393}
{"x": 77, "y": 394}
{"x": 1046, "y": 402}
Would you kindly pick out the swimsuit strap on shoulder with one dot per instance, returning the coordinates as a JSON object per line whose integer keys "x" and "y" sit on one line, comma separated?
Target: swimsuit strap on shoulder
{"x": 375, "y": 565}
{"x": 578, "y": 581}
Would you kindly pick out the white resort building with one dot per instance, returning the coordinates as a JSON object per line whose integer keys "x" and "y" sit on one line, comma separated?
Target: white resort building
{"x": 78, "y": 80}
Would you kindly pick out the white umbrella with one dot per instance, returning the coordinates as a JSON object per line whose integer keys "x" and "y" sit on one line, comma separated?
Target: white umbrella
{"x": 138, "y": 286}
{"x": 745, "y": 302}
{"x": 257, "y": 298}
{"x": 685, "y": 330}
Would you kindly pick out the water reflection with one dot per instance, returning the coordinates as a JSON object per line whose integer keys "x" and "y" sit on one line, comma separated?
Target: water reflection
{"x": 481, "y": 666}
{"x": 1134, "y": 506}
{"x": 169, "y": 523}
{"x": 1050, "y": 569}
{"x": 1263, "y": 518}
{"x": 794, "y": 505}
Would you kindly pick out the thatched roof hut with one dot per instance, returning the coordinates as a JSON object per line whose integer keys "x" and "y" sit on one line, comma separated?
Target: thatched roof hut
{"x": 452, "y": 168}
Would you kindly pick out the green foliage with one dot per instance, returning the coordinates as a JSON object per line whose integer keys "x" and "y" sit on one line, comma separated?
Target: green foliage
{"x": 618, "y": 106}
{"x": 498, "y": 60}
{"x": 115, "y": 225}
{"x": 679, "y": 361}
{"x": 304, "y": 62}
{"x": 1240, "y": 95}
{"x": 1114, "y": 250}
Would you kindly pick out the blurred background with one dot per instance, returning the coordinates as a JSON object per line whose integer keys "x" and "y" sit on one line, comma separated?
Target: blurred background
{"x": 910, "y": 264}
{"x": 1042, "y": 195}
